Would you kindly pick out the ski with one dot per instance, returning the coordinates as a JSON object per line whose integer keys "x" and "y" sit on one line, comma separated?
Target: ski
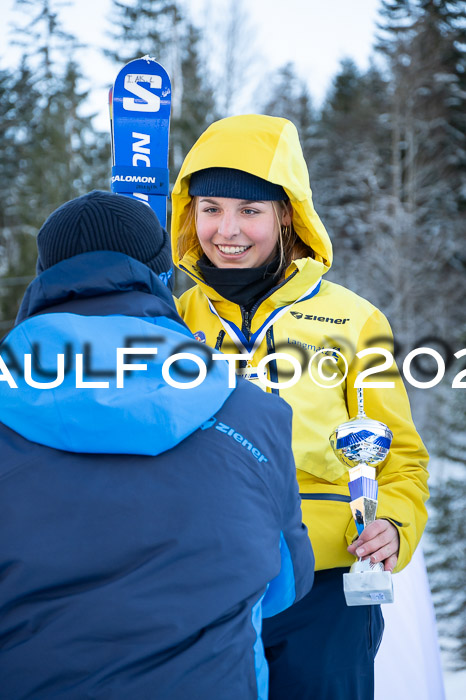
{"x": 139, "y": 104}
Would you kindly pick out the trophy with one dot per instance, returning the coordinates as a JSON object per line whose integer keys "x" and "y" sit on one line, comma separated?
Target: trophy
{"x": 361, "y": 444}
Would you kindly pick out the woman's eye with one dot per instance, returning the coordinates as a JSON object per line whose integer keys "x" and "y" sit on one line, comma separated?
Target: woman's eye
{"x": 249, "y": 211}
{"x": 210, "y": 210}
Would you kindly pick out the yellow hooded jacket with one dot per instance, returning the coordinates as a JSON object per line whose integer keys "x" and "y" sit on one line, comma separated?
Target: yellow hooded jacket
{"x": 334, "y": 319}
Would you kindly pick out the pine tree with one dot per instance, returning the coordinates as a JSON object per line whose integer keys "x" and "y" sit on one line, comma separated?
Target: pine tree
{"x": 421, "y": 41}
{"x": 197, "y": 111}
{"x": 17, "y": 104}
{"x": 198, "y": 108}
{"x": 8, "y": 159}
{"x": 144, "y": 27}
{"x": 41, "y": 37}
{"x": 290, "y": 98}
{"x": 348, "y": 172}
{"x": 446, "y": 533}
{"x": 234, "y": 50}
{"x": 17, "y": 92}
{"x": 63, "y": 142}
{"x": 59, "y": 138}
{"x": 57, "y": 155}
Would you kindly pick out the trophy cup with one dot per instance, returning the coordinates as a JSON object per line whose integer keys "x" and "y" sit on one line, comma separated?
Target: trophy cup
{"x": 361, "y": 444}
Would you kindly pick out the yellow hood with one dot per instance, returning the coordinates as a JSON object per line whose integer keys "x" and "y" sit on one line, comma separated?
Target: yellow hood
{"x": 267, "y": 147}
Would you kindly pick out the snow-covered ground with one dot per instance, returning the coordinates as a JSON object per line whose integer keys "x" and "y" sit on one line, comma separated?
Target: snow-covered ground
{"x": 409, "y": 663}
{"x": 455, "y": 685}
{"x": 444, "y": 470}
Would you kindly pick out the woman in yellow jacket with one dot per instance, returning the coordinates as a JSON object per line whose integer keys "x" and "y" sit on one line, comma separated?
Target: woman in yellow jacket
{"x": 245, "y": 230}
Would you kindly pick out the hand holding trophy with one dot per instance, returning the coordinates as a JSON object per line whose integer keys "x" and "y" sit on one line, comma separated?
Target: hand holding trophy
{"x": 361, "y": 444}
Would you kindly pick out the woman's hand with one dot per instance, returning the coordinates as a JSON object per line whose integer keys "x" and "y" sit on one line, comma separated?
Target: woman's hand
{"x": 380, "y": 541}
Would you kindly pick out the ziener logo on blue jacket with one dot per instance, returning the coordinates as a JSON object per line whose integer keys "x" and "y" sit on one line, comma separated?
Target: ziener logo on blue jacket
{"x": 240, "y": 439}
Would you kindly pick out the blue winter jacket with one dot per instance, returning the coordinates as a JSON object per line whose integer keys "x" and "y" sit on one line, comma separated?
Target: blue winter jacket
{"x": 144, "y": 529}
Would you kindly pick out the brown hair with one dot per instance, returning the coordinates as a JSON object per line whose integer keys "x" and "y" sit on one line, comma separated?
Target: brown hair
{"x": 290, "y": 245}
{"x": 187, "y": 237}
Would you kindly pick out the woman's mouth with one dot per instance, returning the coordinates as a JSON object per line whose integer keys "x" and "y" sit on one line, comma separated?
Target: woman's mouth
{"x": 233, "y": 249}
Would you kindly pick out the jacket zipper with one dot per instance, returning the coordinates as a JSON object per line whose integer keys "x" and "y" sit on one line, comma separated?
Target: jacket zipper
{"x": 219, "y": 341}
{"x": 246, "y": 317}
{"x": 246, "y": 322}
{"x": 273, "y": 370}
{"x": 325, "y": 497}
{"x": 269, "y": 293}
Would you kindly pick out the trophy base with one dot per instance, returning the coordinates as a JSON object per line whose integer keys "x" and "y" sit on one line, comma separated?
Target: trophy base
{"x": 367, "y": 586}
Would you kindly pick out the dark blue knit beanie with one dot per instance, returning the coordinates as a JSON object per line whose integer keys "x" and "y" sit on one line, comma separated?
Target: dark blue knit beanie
{"x": 105, "y": 221}
{"x": 236, "y": 184}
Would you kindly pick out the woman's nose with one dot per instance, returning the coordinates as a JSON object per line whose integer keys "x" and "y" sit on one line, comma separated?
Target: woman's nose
{"x": 228, "y": 225}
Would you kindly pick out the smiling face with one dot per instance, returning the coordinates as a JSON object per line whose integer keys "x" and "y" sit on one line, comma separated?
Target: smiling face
{"x": 237, "y": 232}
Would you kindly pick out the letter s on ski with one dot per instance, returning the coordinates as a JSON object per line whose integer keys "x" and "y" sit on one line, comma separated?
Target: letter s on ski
{"x": 151, "y": 102}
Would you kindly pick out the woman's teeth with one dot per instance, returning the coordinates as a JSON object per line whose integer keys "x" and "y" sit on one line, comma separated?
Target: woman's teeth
{"x": 232, "y": 249}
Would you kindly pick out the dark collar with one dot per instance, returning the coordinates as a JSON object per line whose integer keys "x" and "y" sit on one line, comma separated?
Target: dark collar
{"x": 242, "y": 286}
{"x": 91, "y": 275}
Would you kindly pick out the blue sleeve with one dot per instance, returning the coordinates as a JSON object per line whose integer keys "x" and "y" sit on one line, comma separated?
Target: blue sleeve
{"x": 297, "y": 558}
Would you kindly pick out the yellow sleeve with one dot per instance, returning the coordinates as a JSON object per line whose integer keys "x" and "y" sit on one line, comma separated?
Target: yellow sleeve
{"x": 403, "y": 475}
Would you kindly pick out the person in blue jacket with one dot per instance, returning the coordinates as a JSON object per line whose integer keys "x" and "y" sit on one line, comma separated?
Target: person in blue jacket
{"x": 145, "y": 529}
